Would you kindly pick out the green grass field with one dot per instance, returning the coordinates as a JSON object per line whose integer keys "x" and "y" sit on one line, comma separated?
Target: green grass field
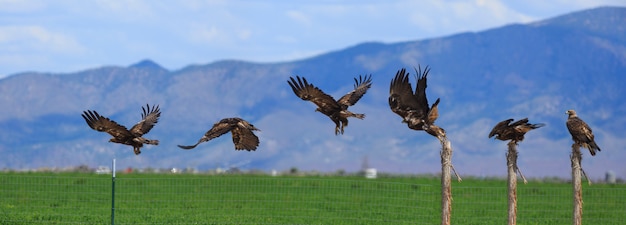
{"x": 82, "y": 198}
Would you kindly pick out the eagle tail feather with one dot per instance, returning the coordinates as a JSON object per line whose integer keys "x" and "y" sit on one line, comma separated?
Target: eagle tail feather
{"x": 146, "y": 141}
{"x": 537, "y": 125}
{"x": 593, "y": 147}
{"x": 188, "y": 147}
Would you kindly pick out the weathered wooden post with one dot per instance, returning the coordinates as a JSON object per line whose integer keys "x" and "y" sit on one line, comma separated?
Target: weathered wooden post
{"x": 512, "y": 169}
{"x": 505, "y": 130}
{"x": 576, "y": 158}
{"x": 446, "y": 186}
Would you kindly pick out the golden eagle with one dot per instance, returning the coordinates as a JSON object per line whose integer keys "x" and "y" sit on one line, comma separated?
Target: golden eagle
{"x": 337, "y": 111}
{"x": 413, "y": 106}
{"x": 132, "y": 137}
{"x": 581, "y": 133}
{"x": 241, "y": 130}
{"x": 515, "y": 131}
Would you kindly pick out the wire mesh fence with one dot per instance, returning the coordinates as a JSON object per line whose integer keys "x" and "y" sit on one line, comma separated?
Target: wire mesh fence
{"x": 79, "y": 198}
{"x": 54, "y": 199}
{"x": 269, "y": 200}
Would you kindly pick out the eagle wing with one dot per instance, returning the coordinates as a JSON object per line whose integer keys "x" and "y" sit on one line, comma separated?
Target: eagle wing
{"x": 523, "y": 126}
{"x": 360, "y": 88}
{"x": 402, "y": 100}
{"x": 521, "y": 122}
{"x": 581, "y": 132}
{"x": 306, "y": 91}
{"x": 218, "y": 129}
{"x": 244, "y": 139}
{"x": 420, "y": 88}
{"x": 149, "y": 118}
{"x": 500, "y": 128}
{"x": 103, "y": 124}
{"x": 433, "y": 114}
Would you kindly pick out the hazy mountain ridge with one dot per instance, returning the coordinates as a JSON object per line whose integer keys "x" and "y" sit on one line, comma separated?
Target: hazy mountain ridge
{"x": 537, "y": 70}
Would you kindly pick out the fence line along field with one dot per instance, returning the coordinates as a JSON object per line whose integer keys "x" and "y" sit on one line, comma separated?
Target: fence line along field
{"x": 83, "y": 198}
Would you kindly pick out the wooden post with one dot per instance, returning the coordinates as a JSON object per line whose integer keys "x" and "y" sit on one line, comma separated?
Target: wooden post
{"x": 113, "y": 194}
{"x": 446, "y": 187}
{"x": 511, "y": 162}
{"x": 576, "y": 158}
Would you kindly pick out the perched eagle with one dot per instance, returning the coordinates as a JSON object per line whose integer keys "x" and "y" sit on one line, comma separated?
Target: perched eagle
{"x": 506, "y": 130}
{"x": 337, "y": 111}
{"x": 413, "y": 106}
{"x": 241, "y": 130}
{"x": 132, "y": 137}
{"x": 581, "y": 133}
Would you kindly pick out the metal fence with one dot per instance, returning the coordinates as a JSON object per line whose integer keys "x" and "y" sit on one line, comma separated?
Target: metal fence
{"x": 79, "y": 198}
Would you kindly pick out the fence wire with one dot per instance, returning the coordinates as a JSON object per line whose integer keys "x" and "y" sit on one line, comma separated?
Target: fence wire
{"x": 79, "y": 198}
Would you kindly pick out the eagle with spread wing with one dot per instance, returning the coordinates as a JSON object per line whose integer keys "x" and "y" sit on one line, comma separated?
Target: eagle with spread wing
{"x": 134, "y": 136}
{"x": 241, "y": 130}
{"x": 581, "y": 132}
{"x": 515, "y": 131}
{"x": 413, "y": 106}
{"x": 336, "y": 110}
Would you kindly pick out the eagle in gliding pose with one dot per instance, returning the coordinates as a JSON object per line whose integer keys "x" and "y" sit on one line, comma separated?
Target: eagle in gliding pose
{"x": 241, "y": 130}
{"x": 134, "y": 136}
{"x": 336, "y": 110}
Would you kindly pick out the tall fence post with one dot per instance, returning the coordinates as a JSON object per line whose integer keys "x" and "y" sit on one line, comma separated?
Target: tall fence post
{"x": 576, "y": 158}
{"x": 511, "y": 161}
{"x": 446, "y": 187}
{"x": 113, "y": 194}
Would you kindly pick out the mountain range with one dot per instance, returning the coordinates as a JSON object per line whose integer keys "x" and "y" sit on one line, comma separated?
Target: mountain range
{"x": 536, "y": 70}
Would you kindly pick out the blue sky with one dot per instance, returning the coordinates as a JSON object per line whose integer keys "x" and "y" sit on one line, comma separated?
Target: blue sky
{"x": 71, "y": 35}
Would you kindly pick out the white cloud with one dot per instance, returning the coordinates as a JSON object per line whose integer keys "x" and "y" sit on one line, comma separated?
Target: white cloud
{"x": 205, "y": 34}
{"x": 264, "y": 31}
{"x": 19, "y": 38}
{"x": 18, "y": 6}
{"x": 126, "y": 9}
{"x": 540, "y": 9}
{"x": 299, "y": 17}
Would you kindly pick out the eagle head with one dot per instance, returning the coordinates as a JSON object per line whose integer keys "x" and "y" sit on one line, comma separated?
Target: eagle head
{"x": 571, "y": 113}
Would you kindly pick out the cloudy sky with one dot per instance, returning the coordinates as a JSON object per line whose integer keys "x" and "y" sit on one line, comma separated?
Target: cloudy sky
{"x": 70, "y": 35}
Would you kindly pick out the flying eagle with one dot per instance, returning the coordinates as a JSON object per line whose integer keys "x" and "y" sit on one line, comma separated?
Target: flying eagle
{"x": 581, "y": 133}
{"x": 506, "y": 130}
{"x": 337, "y": 111}
{"x": 241, "y": 130}
{"x": 413, "y": 106}
{"x": 121, "y": 135}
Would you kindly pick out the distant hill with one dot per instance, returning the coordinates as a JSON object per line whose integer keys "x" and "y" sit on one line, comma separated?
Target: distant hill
{"x": 536, "y": 70}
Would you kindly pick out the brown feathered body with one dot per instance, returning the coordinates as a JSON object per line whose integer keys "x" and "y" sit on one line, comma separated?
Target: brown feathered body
{"x": 413, "y": 106}
{"x": 241, "y": 131}
{"x": 134, "y": 136}
{"x": 581, "y": 132}
{"x": 515, "y": 131}
{"x": 336, "y": 110}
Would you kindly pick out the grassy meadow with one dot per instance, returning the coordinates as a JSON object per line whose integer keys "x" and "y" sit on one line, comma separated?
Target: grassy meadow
{"x": 85, "y": 198}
